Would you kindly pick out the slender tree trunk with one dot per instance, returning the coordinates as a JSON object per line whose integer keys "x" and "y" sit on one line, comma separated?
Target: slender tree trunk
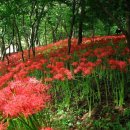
{"x": 35, "y": 26}
{"x": 17, "y": 46}
{"x": 3, "y": 51}
{"x": 45, "y": 34}
{"x": 53, "y": 36}
{"x": 37, "y": 29}
{"x": 71, "y": 26}
{"x": 32, "y": 41}
{"x": 26, "y": 36}
{"x": 12, "y": 41}
{"x": 19, "y": 40}
{"x": 9, "y": 50}
{"x": 82, "y": 13}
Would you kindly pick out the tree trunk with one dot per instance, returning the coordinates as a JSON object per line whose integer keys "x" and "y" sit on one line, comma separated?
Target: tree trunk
{"x": 3, "y": 51}
{"x": 17, "y": 45}
{"x": 35, "y": 25}
{"x": 72, "y": 25}
{"x": 45, "y": 34}
{"x": 9, "y": 50}
{"x": 12, "y": 41}
{"x": 53, "y": 35}
{"x": 19, "y": 39}
{"x": 32, "y": 40}
{"x": 82, "y": 3}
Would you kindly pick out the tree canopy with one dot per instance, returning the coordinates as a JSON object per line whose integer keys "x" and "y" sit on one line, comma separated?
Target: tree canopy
{"x": 28, "y": 23}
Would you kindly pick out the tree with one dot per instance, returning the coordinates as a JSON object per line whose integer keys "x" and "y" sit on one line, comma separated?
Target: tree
{"x": 117, "y": 11}
{"x": 23, "y": 19}
{"x": 71, "y": 25}
{"x": 81, "y": 20}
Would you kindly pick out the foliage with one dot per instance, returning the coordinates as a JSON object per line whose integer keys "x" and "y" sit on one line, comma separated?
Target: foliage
{"x": 92, "y": 75}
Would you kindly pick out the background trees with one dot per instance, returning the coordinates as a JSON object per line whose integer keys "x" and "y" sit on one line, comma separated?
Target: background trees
{"x": 116, "y": 12}
{"x": 26, "y": 23}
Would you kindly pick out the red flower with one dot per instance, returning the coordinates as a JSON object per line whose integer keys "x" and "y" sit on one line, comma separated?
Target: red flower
{"x": 3, "y": 126}
{"x": 26, "y": 97}
{"x": 117, "y": 64}
{"x": 77, "y": 70}
{"x": 87, "y": 71}
{"x": 59, "y": 77}
{"x": 98, "y": 62}
{"x": 74, "y": 64}
{"x": 5, "y": 78}
{"x": 47, "y": 128}
{"x": 68, "y": 74}
{"x": 48, "y": 79}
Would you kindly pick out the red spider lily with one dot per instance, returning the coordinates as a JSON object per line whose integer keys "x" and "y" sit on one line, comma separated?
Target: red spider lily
{"x": 3, "y": 126}
{"x": 59, "y": 77}
{"x": 117, "y": 64}
{"x": 86, "y": 54}
{"x": 126, "y": 51}
{"x": 48, "y": 79}
{"x": 3, "y": 67}
{"x": 85, "y": 67}
{"x": 74, "y": 64}
{"x": 21, "y": 74}
{"x": 87, "y": 71}
{"x": 103, "y": 52}
{"x": 77, "y": 70}
{"x": 47, "y": 128}
{"x": 62, "y": 73}
{"x": 59, "y": 64}
{"x": 15, "y": 58}
{"x": 20, "y": 70}
{"x": 91, "y": 64}
{"x": 98, "y": 62}
{"x": 83, "y": 59}
{"x": 26, "y": 97}
{"x": 59, "y": 72}
{"x": 5, "y": 78}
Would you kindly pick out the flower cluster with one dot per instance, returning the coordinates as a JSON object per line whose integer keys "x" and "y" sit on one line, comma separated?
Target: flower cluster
{"x": 85, "y": 67}
{"x": 3, "y": 126}
{"x": 21, "y": 95}
{"x": 117, "y": 64}
{"x": 59, "y": 72}
{"x": 26, "y": 97}
{"x": 104, "y": 52}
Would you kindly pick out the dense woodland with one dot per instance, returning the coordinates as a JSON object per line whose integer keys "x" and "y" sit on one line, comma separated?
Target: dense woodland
{"x": 64, "y": 65}
{"x": 28, "y": 23}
